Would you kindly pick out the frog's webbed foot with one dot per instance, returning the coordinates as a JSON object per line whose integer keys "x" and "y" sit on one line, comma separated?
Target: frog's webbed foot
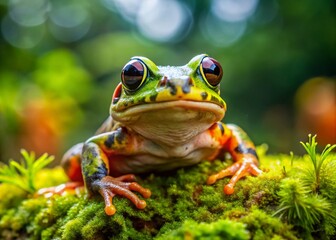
{"x": 61, "y": 189}
{"x": 241, "y": 168}
{"x": 109, "y": 186}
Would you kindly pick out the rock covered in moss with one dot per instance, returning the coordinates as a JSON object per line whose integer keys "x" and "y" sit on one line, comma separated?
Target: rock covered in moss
{"x": 182, "y": 206}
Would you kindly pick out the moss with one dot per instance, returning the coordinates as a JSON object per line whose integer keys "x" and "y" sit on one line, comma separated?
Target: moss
{"x": 263, "y": 226}
{"x": 10, "y": 196}
{"x": 221, "y": 229}
{"x": 182, "y": 206}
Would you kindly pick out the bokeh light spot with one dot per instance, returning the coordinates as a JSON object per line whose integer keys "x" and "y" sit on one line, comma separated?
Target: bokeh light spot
{"x": 70, "y": 34}
{"x": 222, "y": 33}
{"x": 129, "y": 8}
{"x": 69, "y": 22}
{"x": 233, "y": 10}
{"x": 68, "y": 15}
{"x": 28, "y": 13}
{"x": 21, "y": 36}
{"x": 156, "y": 23}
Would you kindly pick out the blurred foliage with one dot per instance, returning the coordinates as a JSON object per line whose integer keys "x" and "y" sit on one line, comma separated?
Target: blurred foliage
{"x": 23, "y": 175}
{"x": 60, "y": 61}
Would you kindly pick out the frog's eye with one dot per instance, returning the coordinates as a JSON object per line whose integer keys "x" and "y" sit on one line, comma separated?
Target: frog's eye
{"x": 211, "y": 70}
{"x": 133, "y": 74}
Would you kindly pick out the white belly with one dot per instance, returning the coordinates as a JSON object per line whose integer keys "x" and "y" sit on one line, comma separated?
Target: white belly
{"x": 150, "y": 155}
{"x": 143, "y": 163}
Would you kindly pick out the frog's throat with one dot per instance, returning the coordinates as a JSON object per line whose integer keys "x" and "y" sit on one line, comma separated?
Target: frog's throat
{"x": 132, "y": 114}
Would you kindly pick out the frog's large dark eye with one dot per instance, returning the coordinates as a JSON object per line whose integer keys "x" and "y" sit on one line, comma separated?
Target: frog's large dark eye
{"x": 212, "y": 71}
{"x": 133, "y": 74}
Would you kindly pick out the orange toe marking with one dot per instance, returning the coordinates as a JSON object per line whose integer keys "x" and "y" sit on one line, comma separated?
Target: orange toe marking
{"x": 141, "y": 204}
{"x": 212, "y": 179}
{"x": 228, "y": 189}
{"x": 110, "y": 210}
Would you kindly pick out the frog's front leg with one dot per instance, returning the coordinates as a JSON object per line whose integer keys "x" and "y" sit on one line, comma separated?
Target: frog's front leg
{"x": 234, "y": 140}
{"x": 97, "y": 153}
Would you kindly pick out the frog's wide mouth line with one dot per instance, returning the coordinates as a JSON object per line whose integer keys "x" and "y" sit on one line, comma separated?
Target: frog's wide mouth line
{"x": 134, "y": 111}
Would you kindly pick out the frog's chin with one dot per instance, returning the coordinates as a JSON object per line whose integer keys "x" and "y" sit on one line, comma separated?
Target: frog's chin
{"x": 176, "y": 120}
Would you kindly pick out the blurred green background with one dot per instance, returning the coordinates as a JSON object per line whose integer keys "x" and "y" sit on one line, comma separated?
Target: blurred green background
{"x": 61, "y": 59}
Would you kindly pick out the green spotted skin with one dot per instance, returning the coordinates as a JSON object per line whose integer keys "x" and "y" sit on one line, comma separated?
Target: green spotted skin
{"x": 152, "y": 91}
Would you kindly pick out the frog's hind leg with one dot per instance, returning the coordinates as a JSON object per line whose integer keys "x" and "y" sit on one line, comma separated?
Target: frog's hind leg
{"x": 71, "y": 163}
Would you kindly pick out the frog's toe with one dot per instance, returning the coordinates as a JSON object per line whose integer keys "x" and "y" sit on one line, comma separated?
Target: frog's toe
{"x": 108, "y": 195}
{"x": 238, "y": 170}
{"x": 126, "y": 178}
{"x": 110, "y": 210}
{"x": 70, "y": 187}
{"x": 108, "y": 187}
{"x": 223, "y": 173}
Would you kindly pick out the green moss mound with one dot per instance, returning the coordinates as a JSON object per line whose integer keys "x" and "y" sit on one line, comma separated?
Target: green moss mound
{"x": 182, "y": 206}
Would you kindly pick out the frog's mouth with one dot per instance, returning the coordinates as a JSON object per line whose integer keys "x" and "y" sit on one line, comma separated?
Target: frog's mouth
{"x": 175, "y": 111}
{"x": 171, "y": 122}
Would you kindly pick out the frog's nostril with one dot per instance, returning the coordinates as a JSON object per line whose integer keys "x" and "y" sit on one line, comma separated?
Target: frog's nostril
{"x": 183, "y": 82}
{"x": 187, "y": 83}
{"x": 172, "y": 86}
{"x": 163, "y": 81}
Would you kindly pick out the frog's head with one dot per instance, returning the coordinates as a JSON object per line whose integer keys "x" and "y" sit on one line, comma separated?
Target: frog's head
{"x": 150, "y": 97}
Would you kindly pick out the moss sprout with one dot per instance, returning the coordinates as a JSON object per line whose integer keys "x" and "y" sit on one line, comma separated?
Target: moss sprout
{"x": 307, "y": 195}
{"x": 300, "y": 207}
{"x": 313, "y": 177}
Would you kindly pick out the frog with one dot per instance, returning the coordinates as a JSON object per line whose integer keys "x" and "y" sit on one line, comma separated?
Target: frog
{"x": 161, "y": 118}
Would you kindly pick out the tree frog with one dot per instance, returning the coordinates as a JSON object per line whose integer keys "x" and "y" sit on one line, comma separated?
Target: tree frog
{"x": 161, "y": 118}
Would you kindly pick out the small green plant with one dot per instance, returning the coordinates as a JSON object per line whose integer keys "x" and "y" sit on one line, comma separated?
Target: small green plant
{"x": 301, "y": 202}
{"x": 313, "y": 178}
{"x": 23, "y": 174}
{"x": 300, "y": 207}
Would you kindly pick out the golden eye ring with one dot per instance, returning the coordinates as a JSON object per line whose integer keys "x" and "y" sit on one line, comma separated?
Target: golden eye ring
{"x": 133, "y": 75}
